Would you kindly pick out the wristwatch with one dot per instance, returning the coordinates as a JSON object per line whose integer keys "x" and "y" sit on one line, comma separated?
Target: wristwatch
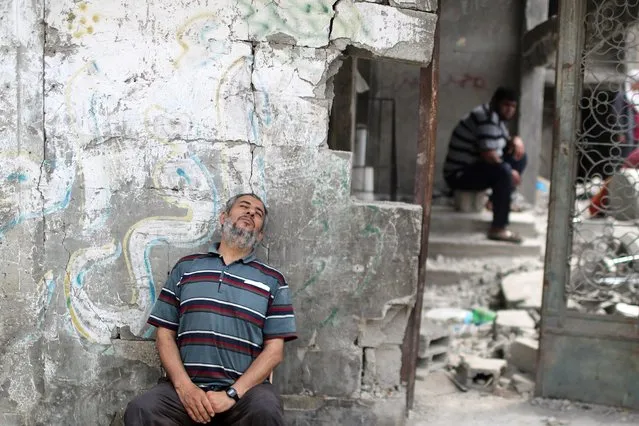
{"x": 232, "y": 393}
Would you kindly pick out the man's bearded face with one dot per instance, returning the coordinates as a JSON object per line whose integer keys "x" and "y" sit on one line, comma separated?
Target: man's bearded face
{"x": 239, "y": 237}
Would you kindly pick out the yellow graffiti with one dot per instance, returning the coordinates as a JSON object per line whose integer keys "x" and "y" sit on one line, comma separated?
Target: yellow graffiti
{"x": 155, "y": 178}
{"x": 81, "y": 21}
{"x": 67, "y": 297}
{"x": 75, "y": 320}
{"x": 127, "y": 238}
{"x": 179, "y": 35}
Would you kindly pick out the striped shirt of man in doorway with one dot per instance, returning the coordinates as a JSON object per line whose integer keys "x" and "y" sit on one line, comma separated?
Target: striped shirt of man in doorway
{"x": 480, "y": 130}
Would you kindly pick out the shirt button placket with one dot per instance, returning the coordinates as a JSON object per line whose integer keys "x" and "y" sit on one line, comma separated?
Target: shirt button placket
{"x": 219, "y": 283}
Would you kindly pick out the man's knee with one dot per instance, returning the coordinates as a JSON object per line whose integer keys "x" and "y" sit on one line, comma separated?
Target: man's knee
{"x": 265, "y": 402}
{"x": 503, "y": 172}
{"x": 138, "y": 409}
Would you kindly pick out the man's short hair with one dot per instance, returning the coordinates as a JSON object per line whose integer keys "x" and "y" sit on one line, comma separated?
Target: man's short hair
{"x": 231, "y": 202}
{"x": 504, "y": 94}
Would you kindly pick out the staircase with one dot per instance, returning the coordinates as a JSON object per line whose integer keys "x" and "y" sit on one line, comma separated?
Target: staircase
{"x": 458, "y": 249}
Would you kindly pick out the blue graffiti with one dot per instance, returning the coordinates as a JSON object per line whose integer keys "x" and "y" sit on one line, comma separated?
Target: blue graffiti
{"x": 147, "y": 265}
{"x": 261, "y": 176}
{"x": 50, "y": 289}
{"x": 55, "y": 207}
{"x": 78, "y": 280}
{"x": 50, "y": 285}
{"x": 92, "y": 112}
{"x": 183, "y": 175}
{"x": 209, "y": 179}
{"x": 199, "y": 241}
{"x": 17, "y": 177}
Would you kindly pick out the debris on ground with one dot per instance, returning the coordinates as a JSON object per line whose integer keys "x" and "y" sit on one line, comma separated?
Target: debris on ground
{"x": 480, "y": 373}
{"x": 522, "y": 383}
{"x": 552, "y": 421}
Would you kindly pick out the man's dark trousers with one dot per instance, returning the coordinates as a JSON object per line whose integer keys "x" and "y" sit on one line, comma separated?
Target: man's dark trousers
{"x": 481, "y": 176}
{"x": 161, "y": 406}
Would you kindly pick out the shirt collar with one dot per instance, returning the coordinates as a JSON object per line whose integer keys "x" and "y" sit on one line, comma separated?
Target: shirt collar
{"x": 246, "y": 259}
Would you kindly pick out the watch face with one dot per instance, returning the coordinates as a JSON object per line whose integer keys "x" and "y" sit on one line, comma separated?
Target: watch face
{"x": 232, "y": 393}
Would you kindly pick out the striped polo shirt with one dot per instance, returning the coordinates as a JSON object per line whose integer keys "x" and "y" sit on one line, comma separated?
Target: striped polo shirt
{"x": 480, "y": 130}
{"x": 223, "y": 314}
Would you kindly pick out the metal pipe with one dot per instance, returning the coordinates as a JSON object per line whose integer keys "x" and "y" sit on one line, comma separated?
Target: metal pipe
{"x": 428, "y": 91}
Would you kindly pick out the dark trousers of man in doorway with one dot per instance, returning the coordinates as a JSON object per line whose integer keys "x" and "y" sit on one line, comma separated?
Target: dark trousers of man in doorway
{"x": 482, "y": 175}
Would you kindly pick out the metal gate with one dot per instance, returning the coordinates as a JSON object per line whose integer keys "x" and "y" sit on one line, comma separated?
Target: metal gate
{"x": 589, "y": 347}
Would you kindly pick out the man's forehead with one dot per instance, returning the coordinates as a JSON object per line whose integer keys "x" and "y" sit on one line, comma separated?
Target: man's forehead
{"x": 252, "y": 200}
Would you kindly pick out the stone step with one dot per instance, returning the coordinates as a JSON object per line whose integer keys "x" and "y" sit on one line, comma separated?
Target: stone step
{"x": 476, "y": 245}
{"x": 449, "y": 276}
{"x": 449, "y": 271}
{"x": 444, "y": 219}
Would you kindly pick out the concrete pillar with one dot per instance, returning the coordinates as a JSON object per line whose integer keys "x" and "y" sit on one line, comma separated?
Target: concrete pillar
{"x": 531, "y": 104}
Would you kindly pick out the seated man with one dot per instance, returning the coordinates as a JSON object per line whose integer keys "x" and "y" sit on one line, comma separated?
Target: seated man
{"x": 222, "y": 319}
{"x": 482, "y": 155}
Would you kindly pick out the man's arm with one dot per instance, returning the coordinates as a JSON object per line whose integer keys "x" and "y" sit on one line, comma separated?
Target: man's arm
{"x": 261, "y": 367}
{"x": 193, "y": 398}
{"x": 272, "y": 354}
{"x": 517, "y": 147}
{"x": 490, "y": 156}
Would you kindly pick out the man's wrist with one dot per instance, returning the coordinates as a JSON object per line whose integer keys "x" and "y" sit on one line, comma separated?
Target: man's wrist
{"x": 182, "y": 383}
{"x": 232, "y": 393}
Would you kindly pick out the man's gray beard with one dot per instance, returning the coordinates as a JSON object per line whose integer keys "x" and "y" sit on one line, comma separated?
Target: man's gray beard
{"x": 238, "y": 237}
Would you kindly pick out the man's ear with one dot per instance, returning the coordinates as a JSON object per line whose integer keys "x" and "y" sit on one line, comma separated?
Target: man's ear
{"x": 223, "y": 217}
{"x": 260, "y": 236}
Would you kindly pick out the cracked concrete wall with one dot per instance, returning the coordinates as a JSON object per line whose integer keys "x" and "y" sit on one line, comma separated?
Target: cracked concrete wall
{"x": 124, "y": 127}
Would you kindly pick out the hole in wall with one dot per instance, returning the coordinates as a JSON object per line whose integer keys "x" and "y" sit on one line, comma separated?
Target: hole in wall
{"x": 375, "y": 115}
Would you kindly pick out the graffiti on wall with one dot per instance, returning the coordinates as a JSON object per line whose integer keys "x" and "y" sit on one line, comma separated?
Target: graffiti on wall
{"x": 91, "y": 169}
{"x": 123, "y": 134}
{"x": 466, "y": 81}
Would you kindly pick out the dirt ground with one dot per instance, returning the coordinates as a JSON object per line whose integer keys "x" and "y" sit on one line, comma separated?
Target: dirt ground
{"x": 439, "y": 403}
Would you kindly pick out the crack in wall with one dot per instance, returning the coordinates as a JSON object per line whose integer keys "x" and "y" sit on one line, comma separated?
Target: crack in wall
{"x": 254, "y": 115}
{"x": 330, "y": 25}
{"x": 253, "y": 147}
{"x": 44, "y": 129}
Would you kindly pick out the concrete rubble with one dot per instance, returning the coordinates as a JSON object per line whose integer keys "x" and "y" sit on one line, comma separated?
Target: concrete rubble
{"x": 517, "y": 322}
{"x": 482, "y": 373}
{"x": 523, "y": 354}
{"x": 523, "y": 290}
{"x": 614, "y": 295}
{"x": 498, "y": 355}
{"x": 522, "y": 383}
